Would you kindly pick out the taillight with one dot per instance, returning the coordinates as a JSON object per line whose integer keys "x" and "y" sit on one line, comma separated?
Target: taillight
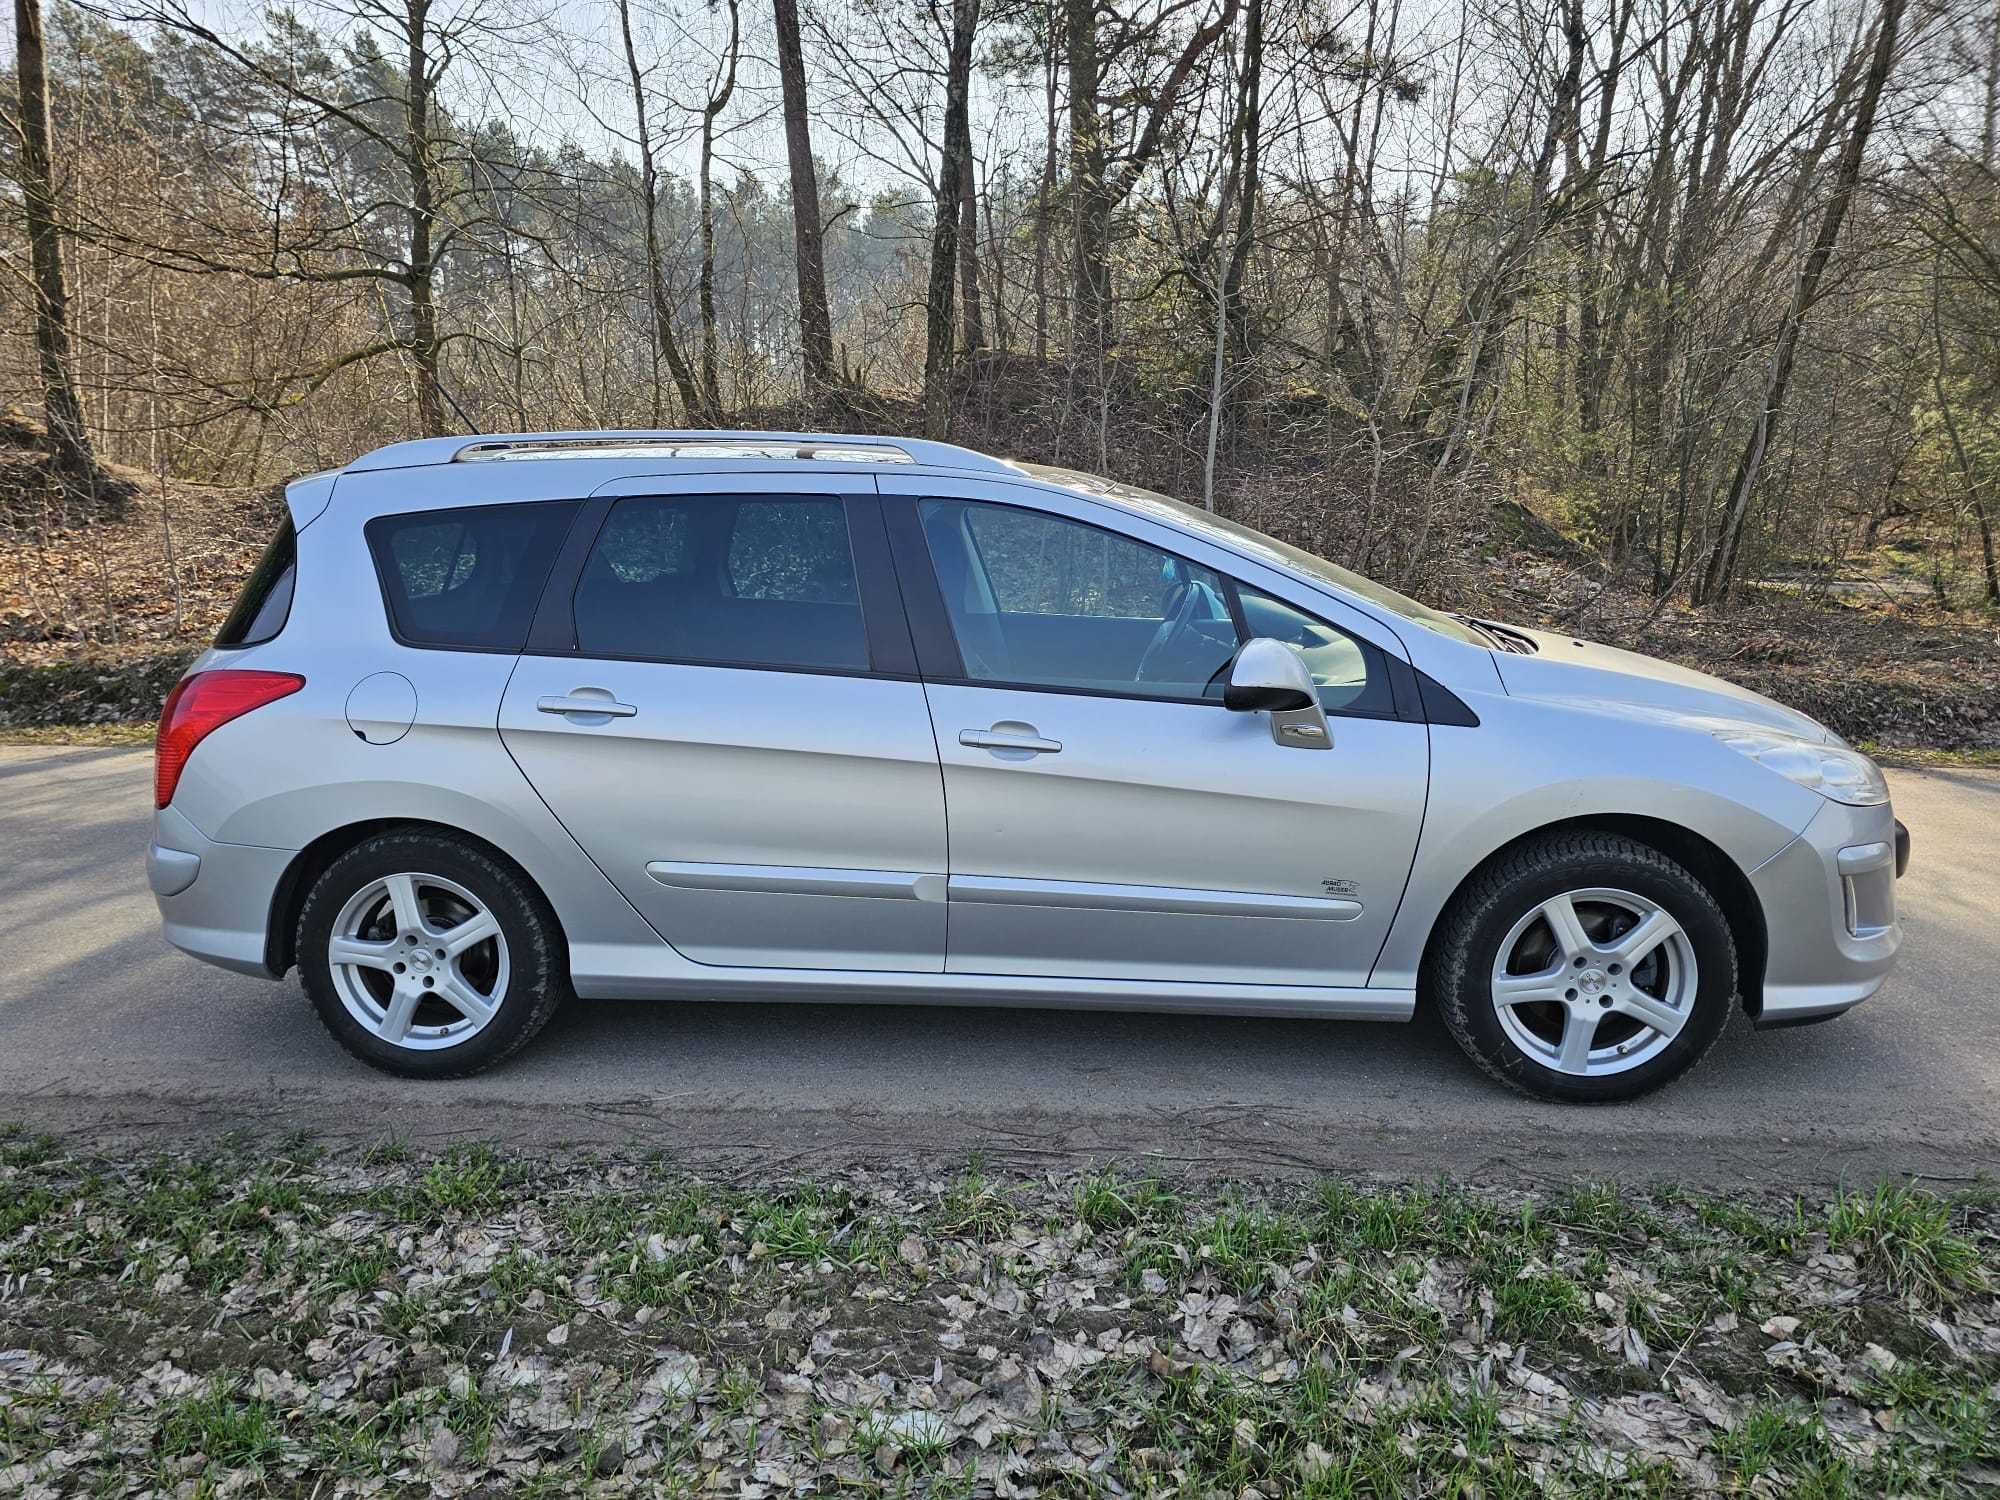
{"x": 201, "y": 704}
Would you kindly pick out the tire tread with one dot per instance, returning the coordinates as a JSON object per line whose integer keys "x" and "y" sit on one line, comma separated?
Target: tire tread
{"x": 1456, "y": 981}
{"x": 538, "y": 957}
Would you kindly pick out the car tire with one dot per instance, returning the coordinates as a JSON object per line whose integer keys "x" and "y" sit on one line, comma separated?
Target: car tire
{"x": 450, "y": 992}
{"x": 1542, "y": 971}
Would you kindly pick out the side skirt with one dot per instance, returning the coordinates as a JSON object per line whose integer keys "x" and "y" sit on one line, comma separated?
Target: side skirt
{"x": 627, "y": 973}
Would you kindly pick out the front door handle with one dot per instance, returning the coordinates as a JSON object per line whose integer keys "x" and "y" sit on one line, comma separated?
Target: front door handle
{"x": 587, "y": 703}
{"x": 1009, "y": 735}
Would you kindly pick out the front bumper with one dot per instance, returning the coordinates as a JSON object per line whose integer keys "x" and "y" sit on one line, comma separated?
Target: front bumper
{"x": 214, "y": 899}
{"x": 1829, "y": 900}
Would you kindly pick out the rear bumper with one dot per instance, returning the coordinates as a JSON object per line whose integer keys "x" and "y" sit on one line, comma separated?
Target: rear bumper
{"x": 1829, "y": 900}
{"x": 214, "y": 899}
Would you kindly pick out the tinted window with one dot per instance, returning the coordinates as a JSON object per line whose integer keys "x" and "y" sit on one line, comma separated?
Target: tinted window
{"x": 1041, "y": 600}
{"x": 266, "y": 601}
{"x": 761, "y": 583}
{"x": 1350, "y": 673}
{"x": 468, "y": 578}
{"x": 793, "y": 550}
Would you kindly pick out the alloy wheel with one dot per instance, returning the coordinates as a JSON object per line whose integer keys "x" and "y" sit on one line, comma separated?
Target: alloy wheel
{"x": 1595, "y": 982}
{"x": 418, "y": 961}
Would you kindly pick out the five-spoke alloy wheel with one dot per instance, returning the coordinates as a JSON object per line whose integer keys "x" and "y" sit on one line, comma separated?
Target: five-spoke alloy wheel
{"x": 1584, "y": 966}
{"x": 428, "y": 956}
{"x": 418, "y": 960}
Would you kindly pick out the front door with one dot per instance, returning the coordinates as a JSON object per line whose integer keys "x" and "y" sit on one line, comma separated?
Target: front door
{"x": 731, "y": 728}
{"x": 1109, "y": 818}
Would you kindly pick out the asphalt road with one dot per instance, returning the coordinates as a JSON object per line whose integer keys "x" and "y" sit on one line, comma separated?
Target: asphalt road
{"x": 105, "y": 1030}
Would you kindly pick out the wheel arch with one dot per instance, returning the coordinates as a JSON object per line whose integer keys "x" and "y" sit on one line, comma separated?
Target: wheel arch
{"x": 1708, "y": 863}
{"x": 288, "y": 898}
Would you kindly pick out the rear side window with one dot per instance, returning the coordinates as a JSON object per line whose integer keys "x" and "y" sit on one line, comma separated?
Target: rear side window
{"x": 724, "y": 581}
{"x": 468, "y": 578}
{"x": 266, "y": 601}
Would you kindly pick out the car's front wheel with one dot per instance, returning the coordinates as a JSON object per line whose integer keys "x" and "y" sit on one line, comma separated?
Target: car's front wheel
{"x": 426, "y": 956}
{"x": 1584, "y": 967}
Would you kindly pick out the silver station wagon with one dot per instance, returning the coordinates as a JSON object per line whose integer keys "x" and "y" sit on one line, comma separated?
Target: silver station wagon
{"x": 703, "y": 716}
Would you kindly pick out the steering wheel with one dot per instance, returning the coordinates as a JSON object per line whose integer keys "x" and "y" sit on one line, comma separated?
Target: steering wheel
{"x": 1185, "y": 600}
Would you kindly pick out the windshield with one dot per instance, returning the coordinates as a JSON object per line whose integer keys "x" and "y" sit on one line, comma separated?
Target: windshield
{"x": 1248, "y": 539}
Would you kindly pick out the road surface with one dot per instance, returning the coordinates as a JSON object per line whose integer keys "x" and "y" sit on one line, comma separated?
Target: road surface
{"x": 106, "y": 1031}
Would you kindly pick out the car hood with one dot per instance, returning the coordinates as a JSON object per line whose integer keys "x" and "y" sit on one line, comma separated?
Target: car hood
{"x": 1584, "y": 672}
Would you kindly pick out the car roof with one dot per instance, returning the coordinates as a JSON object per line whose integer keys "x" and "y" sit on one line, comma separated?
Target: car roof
{"x": 702, "y": 444}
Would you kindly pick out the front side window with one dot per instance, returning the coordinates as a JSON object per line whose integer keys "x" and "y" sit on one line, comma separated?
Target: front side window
{"x": 1350, "y": 674}
{"x": 1040, "y": 600}
{"x": 468, "y": 578}
{"x": 724, "y": 581}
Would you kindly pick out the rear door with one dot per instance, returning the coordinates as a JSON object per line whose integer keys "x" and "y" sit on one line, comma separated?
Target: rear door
{"x": 1109, "y": 818}
{"x": 722, "y": 707}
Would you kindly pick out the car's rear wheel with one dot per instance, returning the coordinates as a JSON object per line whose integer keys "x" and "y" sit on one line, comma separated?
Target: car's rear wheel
{"x": 426, "y": 956}
{"x": 1585, "y": 967}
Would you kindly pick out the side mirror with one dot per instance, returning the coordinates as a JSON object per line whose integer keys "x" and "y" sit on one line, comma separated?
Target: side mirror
{"x": 1268, "y": 676}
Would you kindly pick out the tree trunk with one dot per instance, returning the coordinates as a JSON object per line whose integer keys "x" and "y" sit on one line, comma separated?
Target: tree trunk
{"x": 698, "y": 414}
{"x": 1045, "y": 199}
{"x": 1098, "y": 192}
{"x": 815, "y": 319}
{"x": 711, "y": 382}
{"x": 968, "y": 253}
{"x": 69, "y": 442}
{"x": 1720, "y": 574}
{"x": 956, "y": 149}
{"x": 423, "y": 219}
{"x": 1224, "y": 262}
{"x": 1249, "y": 134}
{"x": 1090, "y": 229}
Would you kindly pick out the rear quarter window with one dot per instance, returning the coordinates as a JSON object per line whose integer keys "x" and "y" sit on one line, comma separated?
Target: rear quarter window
{"x": 266, "y": 601}
{"x": 467, "y": 579}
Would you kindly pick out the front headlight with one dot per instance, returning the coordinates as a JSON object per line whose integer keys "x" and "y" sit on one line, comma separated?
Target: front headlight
{"x": 1834, "y": 771}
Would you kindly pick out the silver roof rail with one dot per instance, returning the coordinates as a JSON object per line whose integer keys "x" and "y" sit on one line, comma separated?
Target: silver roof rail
{"x": 694, "y": 443}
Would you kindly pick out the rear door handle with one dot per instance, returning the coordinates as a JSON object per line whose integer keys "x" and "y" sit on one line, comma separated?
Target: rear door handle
{"x": 587, "y": 703}
{"x": 1020, "y": 737}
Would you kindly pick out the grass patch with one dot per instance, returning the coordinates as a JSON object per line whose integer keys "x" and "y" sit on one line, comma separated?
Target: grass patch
{"x": 229, "y": 1430}
{"x": 1905, "y": 1236}
{"x": 479, "y": 1322}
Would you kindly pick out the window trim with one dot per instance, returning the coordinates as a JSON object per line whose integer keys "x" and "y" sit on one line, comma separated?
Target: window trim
{"x": 377, "y": 557}
{"x": 937, "y": 643}
{"x": 892, "y": 654}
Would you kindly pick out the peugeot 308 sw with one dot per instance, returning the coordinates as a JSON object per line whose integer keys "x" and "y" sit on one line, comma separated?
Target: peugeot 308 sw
{"x": 499, "y": 721}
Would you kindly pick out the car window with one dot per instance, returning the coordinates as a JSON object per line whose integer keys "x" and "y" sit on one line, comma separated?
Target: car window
{"x": 792, "y": 550}
{"x": 1039, "y": 600}
{"x": 1350, "y": 674}
{"x": 1235, "y": 534}
{"x": 266, "y": 601}
{"x": 646, "y": 542}
{"x": 715, "y": 579}
{"x": 468, "y": 578}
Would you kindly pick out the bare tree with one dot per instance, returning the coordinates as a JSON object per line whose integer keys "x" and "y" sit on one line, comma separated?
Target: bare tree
{"x": 717, "y": 102}
{"x": 69, "y": 440}
{"x": 955, "y": 154}
{"x": 694, "y": 398}
{"x": 815, "y": 319}
{"x": 1099, "y": 180}
{"x": 1717, "y": 579}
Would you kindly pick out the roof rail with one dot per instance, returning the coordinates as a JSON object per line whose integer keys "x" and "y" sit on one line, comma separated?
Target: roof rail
{"x": 691, "y": 443}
